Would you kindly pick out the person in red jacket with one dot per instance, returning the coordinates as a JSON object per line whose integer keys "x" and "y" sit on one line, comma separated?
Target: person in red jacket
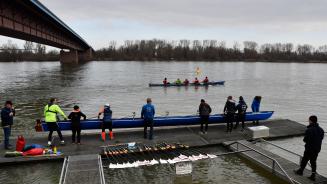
{"x": 196, "y": 81}
{"x": 206, "y": 80}
{"x": 186, "y": 82}
{"x": 165, "y": 82}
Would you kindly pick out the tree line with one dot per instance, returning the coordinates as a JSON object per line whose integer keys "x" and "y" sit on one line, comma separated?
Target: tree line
{"x": 10, "y": 52}
{"x": 209, "y": 50}
{"x": 177, "y": 50}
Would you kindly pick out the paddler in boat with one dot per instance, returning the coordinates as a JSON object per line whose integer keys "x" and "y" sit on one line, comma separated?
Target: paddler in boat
{"x": 165, "y": 81}
{"x": 196, "y": 81}
{"x": 206, "y": 80}
{"x": 186, "y": 82}
{"x": 178, "y": 82}
{"x": 106, "y": 121}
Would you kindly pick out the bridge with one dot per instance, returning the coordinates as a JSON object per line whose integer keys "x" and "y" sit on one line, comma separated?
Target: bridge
{"x": 30, "y": 20}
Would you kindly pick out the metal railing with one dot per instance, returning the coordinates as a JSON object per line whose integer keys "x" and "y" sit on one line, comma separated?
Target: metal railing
{"x": 64, "y": 171}
{"x": 274, "y": 161}
{"x": 284, "y": 149}
{"x": 102, "y": 178}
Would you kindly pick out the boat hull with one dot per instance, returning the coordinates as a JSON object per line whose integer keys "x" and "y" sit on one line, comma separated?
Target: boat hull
{"x": 158, "y": 121}
{"x": 191, "y": 84}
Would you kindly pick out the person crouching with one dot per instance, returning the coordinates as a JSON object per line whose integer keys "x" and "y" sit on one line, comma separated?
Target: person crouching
{"x": 106, "y": 122}
{"x": 75, "y": 118}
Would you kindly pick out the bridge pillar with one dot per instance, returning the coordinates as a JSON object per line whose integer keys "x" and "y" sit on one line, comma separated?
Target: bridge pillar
{"x": 86, "y": 55}
{"x": 69, "y": 57}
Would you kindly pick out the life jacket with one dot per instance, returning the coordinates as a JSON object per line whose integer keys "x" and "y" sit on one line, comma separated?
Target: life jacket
{"x": 20, "y": 144}
{"x": 107, "y": 114}
{"x": 48, "y": 110}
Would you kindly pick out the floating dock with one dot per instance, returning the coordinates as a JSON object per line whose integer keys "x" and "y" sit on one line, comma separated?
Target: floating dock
{"x": 189, "y": 135}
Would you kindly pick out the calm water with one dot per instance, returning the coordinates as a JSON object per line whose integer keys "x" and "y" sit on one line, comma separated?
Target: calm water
{"x": 293, "y": 91}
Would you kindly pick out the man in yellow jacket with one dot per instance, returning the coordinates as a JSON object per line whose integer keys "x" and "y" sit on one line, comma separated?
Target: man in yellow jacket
{"x": 50, "y": 116}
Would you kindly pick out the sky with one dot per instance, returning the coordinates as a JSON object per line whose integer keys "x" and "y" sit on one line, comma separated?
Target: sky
{"x": 263, "y": 21}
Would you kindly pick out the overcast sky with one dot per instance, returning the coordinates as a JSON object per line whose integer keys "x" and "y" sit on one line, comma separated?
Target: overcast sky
{"x": 98, "y": 21}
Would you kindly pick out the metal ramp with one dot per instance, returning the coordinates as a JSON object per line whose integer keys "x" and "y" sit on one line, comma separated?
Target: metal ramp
{"x": 82, "y": 169}
{"x": 279, "y": 166}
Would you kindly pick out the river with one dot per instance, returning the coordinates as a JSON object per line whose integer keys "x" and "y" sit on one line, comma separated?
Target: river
{"x": 293, "y": 90}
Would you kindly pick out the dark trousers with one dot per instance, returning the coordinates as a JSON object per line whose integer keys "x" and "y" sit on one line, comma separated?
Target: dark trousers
{"x": 312, "y": 156}
{"x": 204, "y": 121}
{"x": 229, "y": 117}
{"x": 76, "y": 130}
{"x": 240, "y": 118}
{"x": 7, "y": 132}
{"x": 53, "y": 126}
{"x": 148, "y": 123}
{"x": 106, "y": 125}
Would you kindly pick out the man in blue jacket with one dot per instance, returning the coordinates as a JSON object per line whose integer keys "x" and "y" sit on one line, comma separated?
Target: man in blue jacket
{"x": 147, "y": 114}
{"x": 7, "y": 119}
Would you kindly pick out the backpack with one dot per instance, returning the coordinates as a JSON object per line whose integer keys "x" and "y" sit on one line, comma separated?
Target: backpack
{"x": 205, "y": 110}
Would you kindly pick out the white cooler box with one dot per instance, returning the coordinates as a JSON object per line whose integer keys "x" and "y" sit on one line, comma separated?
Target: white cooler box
{"x": 259, "y": 132}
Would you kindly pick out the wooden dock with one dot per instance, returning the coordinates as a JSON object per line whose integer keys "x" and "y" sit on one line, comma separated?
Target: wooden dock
{"x": 279, "y": 166}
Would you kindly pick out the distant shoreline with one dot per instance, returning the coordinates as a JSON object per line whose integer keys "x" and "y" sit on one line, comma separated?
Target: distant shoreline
{"x": 208, "y": 61}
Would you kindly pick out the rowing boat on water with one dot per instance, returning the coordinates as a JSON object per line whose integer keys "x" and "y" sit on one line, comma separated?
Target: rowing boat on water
{"x": 214, "y": 83}
{"x": 159, "y": 121}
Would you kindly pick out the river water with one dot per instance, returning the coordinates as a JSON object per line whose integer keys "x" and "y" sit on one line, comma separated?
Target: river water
{"x": 292, "y": 90}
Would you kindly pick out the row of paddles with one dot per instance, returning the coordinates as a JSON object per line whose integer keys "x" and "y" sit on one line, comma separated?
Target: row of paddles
{"x": 143, "y": 155}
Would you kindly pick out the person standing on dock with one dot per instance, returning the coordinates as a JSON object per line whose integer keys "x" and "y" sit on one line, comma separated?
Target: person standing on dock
{"x": 147, "y": 114}
{"x": 204, "y": 111}
{"x": 7, "y": 119}
{"x": 50, "y": 117}
{"x": 313, "y": 140}
{"x": 256, "y": 107}
{"x": 241, "y": 112}
{"x": 75, "y": 118}
{"x": 229, "y": 112}
{"x": 106, "y": 122}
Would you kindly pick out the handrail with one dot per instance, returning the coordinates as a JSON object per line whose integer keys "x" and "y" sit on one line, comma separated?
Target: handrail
{"x": 102, "y": 178}
{"x": 284, "y": 149}
{"x": 64, "y": 171}
{"x": 275, "y": 162}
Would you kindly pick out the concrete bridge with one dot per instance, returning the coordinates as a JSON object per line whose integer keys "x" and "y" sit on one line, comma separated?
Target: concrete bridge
{"x": 30, "y": 20}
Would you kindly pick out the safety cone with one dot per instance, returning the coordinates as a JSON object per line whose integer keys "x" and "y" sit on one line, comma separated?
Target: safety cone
{"x": 111, "y": 135}
{"x": 103, "y": 136}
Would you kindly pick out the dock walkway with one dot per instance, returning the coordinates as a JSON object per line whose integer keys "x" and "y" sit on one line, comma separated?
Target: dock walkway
{"x": 264, "y": 158}
{"x": 82, "y": 169}
{"x": 188, "y": 135}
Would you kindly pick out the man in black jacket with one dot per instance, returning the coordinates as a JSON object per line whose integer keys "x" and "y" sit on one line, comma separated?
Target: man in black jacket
{"x": 7, "y": 119}
{"x": 204, "y": 111}
{"x": 229, "y": 112}
{"x": 313, "y": 140}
